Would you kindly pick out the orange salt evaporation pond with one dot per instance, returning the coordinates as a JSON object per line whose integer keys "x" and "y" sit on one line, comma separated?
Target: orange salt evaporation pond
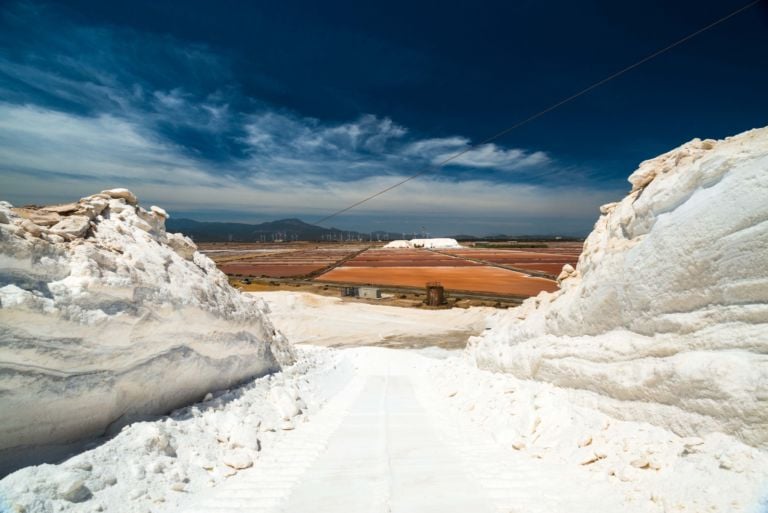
{"x": 457, "y": 278}
{"x": 284, "y": 264}
{"x": 547, "y": 260}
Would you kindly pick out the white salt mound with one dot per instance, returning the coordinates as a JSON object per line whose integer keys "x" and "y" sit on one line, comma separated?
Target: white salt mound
{"x": 665, "y": 319}
{"x": 398, "y": 244}
{"x": 106, "y": 318}
{"x": 440, "y": 243}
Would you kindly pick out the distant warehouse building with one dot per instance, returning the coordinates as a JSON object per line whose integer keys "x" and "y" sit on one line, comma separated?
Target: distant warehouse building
{"x": 349, "y": 292}
{"x": 362, "y": 292}
{"x": 369, "y": 293}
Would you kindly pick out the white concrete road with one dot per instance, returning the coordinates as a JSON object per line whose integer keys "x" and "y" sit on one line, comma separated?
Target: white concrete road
{"x": 373, "y": 448}
{"x": 386, "y": 443}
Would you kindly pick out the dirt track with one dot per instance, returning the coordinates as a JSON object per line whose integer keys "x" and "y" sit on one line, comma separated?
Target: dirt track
{"x": 479, "y": 278}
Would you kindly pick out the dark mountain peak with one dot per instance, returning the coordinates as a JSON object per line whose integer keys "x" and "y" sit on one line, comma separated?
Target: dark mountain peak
{"x": 290, "y": 229}
{"x": 293, "y": 221}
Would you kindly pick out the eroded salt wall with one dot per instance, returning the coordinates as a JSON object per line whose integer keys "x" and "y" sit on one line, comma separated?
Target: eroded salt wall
{"x": 105, "y": 318}
{"x": 665, "y": 318}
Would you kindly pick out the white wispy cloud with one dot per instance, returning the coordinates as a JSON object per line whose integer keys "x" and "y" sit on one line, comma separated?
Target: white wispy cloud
{"x": 277, "y": 133}
{"x": 73, "y": 123}
{"x": 38, "y": 142}
{"x": 81, "y": 155}
{"x": 490, "y": 155}
{"x": 369, "y": 145}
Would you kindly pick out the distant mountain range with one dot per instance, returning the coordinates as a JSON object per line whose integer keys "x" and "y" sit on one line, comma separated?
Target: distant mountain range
{"x": 281, "y": 230}
{"x": 297, "y": 230}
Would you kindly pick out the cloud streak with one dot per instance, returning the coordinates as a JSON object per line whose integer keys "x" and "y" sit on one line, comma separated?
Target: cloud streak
{"x": 76, "y": 122}
{"x": 83, "y": 154}
{"x": 491, "y": 156}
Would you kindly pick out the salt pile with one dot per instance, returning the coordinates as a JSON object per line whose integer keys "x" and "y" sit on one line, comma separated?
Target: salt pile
{"x": 439, "y": 243}
{"x": 665, "y": 319}
{"x": 105, "y": 318}
{"x": 158, "y": 465}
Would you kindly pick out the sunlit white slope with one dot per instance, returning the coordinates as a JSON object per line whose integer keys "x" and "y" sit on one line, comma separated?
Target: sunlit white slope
{"x": 105, "y": 317}
{"x": 665, "y": 319}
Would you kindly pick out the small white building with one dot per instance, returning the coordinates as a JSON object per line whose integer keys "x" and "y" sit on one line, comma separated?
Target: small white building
{"x": 361, "y": 292}
{"x": 369, "y": 293}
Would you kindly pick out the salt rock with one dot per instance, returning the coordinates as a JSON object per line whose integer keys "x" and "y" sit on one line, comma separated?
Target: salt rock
{"x": 87, "y": 211}
{"x": 203, "y": 463}
{"x": 62, "y": 209}
{"x": 136, "y": 493}
{"x": 117, "y": 206}
{"x": 284, "y": 402}
{"x": 98, "y": 204}
{"x": 641, "y": 462}
{"x": 73, "y": 489}
{"x": 253, "y": 421}
{"x": 566, "y": 273}
{"x": 726, "y": 462}
{"x": 138, "y": 472}
{"x": 31, "y": 228}
{"x": 225, "y": 471}
{"x": 692, "y": 441}
{"x": 292, "y": 391}
{"x": 98, "y": 195}
{"x": 587, "y": 457}
{"x": 156, "y": 467}
{"x": 159, "y": 211}
{"x": 4, "y": 218}
{"x": 244, "y": 436}
{"x": 96, "y": 484}
{"x": 75, "y": 226}
{"x": 142, "y": 224}
{"x": 154, "y": 440}
{"x": 81, "y": 465}
{"x": 182, "y": 245}
{"x": 39, "y": 217}
{"x": 53, "y": 239}
{"x": 238, "y": 460}
{"x": 121, "y": 193}
{"x": 225, "y": 424}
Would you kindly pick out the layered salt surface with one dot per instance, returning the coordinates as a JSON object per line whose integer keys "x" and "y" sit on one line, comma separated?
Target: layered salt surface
{"x": 105, "y": 318}
{"x": 372, "y": 429}
{"x": 665, "y": 319}
{"x": 158, "y": 465}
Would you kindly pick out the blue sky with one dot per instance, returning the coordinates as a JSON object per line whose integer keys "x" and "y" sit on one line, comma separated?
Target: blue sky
{"x": 252, "y": 111}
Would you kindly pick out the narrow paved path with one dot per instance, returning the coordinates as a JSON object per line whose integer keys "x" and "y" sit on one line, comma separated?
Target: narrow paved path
{"x": 373, "y": 448}
{"x": 388, "y": 457}
{"x": 389, "y": 442}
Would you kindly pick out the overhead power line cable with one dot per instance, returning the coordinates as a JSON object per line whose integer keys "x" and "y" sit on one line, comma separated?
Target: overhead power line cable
{"x": 437, "y": 165}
